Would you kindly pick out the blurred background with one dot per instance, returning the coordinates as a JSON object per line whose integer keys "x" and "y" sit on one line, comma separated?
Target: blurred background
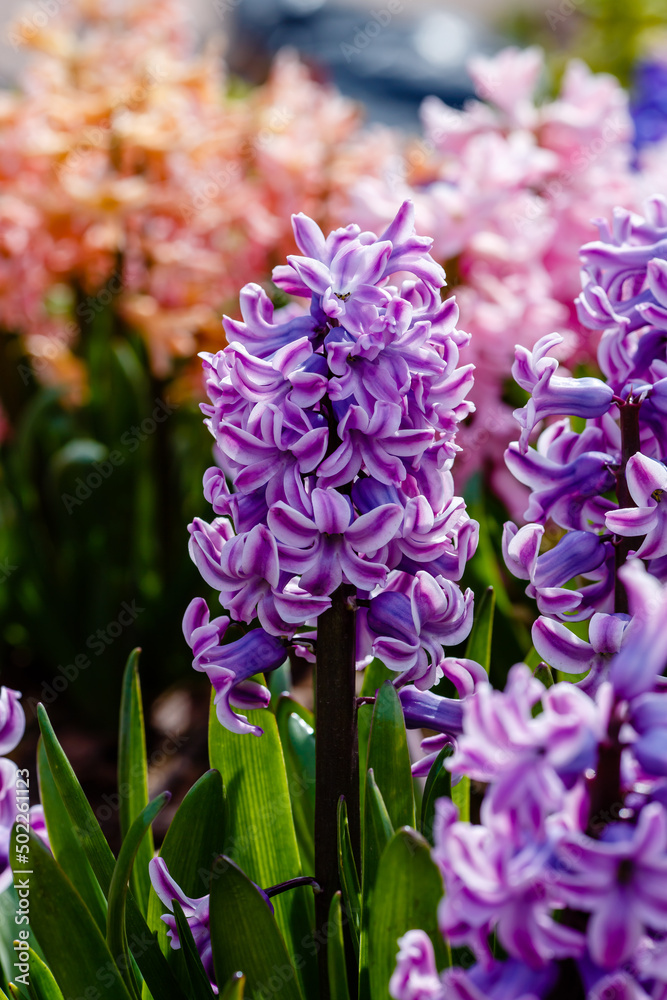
{"x": 151, "y": 155}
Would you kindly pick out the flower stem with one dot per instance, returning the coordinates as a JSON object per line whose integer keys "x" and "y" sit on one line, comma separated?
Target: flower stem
{"x": 630, "y": 445}
{"x": 336, "y": 767}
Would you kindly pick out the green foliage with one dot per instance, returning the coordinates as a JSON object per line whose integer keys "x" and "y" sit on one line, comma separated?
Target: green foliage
{"x": 116, "y": 929}
{"x": 336, "y": 951}
{"x": 408, "y": 890}
{"x": 95, "y": 498}
{"x": 297, "y": 736}
{"x": 254, "y": 832}
{"x": 194, "y": 840}
{"x": 66, "y": 845}
{"x": 75, "y": 950}
{"x": 261, "y": 837}
{"x": 348, "y": 875}
{"x": 84, "y": 825}
{"x": 41, "y": 984}
{"x": 200, "y": 988}
{"x": 389, "y": 757}
{"x": 133, "y": 775}
{"x": 438, "y": 784}
{"x": 479, "y": 643}
{"x": 245, "y": 935}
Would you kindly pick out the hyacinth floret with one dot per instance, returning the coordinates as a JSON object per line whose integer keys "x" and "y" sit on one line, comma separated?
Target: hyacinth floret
{"x": 334, "y": 420}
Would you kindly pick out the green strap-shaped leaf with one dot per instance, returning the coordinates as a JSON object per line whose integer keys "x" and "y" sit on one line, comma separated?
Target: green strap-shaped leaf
{"x": 65, "y": 845}
{"x": 245, "y": 937}
{"x": 389, "y": 758}
{"x": 461, "y": 798}
{"x": 194, "y": 840}
{"x": 479, "y": 643}
{"x": 72, "y": 943}
{"x": 144, "y": 947}
{"x": 41, "y": 984}
{"x": 260, "y": 830}
{"x": 347, "y": 873}
{"x": 407, "y": 892}
{"x": 235, "y": 988}
{"x": 297, "y": 736}
{"x": 116, "y": 931}
{"x": 377, "y": 832}
{"x": 200, "y": 988}
{"x": 82, "y": 817}
{"x": 133, "y": 775}
{"x": 336, "y": 951}
{"x": 438, "y": 784}
{"x": 375, "y": 675}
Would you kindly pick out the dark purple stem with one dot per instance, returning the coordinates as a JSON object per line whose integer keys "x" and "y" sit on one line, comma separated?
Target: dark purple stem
{"x": 630, "y": 445}
{"x": 605, "y": 788}
{"x": 292, "y": 883}
{"x": 336, "y": 766}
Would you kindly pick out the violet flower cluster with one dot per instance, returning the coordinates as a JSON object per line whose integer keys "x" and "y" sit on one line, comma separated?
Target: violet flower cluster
{"x": 334, "y": 424}
{"x": 568, "y": 864}
{"x": 604, "y": 481}
{"x": 565, "y": 875}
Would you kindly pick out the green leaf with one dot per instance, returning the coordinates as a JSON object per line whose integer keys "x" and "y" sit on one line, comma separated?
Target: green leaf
{"x": 438, "y": 783}
{"x": 479, "y": 643}
{"x": 72, "y": 943}
{"x": 246, "y": 937}
{"x": 336, "y": 951}
{"x": 194, "y": 840}
{"x": 377, "y": 832}
{"x": 9, "y": 930}
{"x": 544, "y": 674}
{"x": 297, "y": 736}
{"x": 200, "y": 988}
{"x": 116, "y": 932}
{"x": 261, "y": 837}
{"x": 235, "y": 988}
{"x": 133, "y": 775}
{"x": 408, "y": 890}
{"x": 375, "y": 675}
{"x": 65, "y": 845}
{"x": 389, "y": 758}
{"x": 461, "y": 798}
{"x": 154, "y": 968}
{"x": 82, "y": 817}
{"x": 347, "y": 873}
{"x": 41, "y": 984}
